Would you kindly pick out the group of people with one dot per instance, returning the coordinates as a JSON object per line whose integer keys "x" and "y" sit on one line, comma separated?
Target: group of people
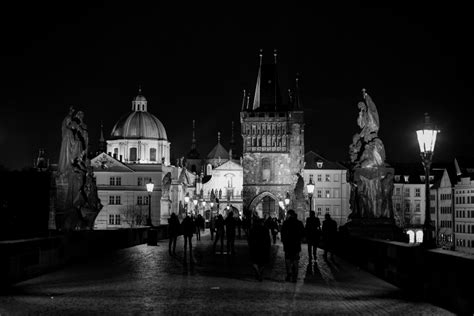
{"x": 260, "y": 237}
{"x": 292, "y": 234}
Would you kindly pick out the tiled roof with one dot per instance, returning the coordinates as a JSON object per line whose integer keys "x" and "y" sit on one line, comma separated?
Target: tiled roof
{"x": 316, "y": 161}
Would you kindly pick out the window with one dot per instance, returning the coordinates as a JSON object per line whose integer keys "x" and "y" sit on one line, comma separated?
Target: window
{"x": 117, "y": 219}
{"x": 407, "y": 206}
{"x": 115, "y": 153}
{"x": 328, "y": 177}
{"x": 417, "y": 206}
{"x": 118, "y": 181}
{"x": 320, "y": 210}
{"x": 139, "y": 200}
{"x": 112, "y": 181}
{"x": 139, "y": 181}
{"x": 133, "y": 154}
{"x": 152, "y": 154}
{"x": 111, "y": 199}
{"x": 111, "y": 219}
{"x": 398, "y": 191}
{"x": 319, "y": 178}
{"x": 328, "y": 209}
{"x": 407, "y": 191}
{"x": 266, "y": 165}
{"x": 146, "y": 200}
{"x": 319, "y": 164}
{"x": 417, "y": 192}
{"x": 117, "y": 199}
{"x": 319, "y": 192}
{"x": 328, "y": 194}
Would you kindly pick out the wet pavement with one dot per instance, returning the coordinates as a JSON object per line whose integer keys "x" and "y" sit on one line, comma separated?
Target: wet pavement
{"x": 147, "y": 280}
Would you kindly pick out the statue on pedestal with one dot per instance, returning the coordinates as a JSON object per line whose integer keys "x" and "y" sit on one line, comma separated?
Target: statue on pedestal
{"x": 371, "y": 180}
{"x": 77, "y": 201}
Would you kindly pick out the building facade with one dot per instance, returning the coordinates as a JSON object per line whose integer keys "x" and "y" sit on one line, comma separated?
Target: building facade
{"x": 331, "y": 190}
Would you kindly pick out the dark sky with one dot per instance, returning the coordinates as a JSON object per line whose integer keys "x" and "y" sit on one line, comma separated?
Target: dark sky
{"x": 193, "y": 63}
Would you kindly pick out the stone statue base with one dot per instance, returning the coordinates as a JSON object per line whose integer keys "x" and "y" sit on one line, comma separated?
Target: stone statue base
{"x": 381, "y": 228}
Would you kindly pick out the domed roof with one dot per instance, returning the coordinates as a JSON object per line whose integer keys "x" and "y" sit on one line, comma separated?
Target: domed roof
{"x": 139, "y": 124}
{"x": 139, "y": 97}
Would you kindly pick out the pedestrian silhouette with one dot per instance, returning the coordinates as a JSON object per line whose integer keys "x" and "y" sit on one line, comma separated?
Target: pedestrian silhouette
{"x": 173, "y": 232}
{"x": 238, "y": 221}
{"x": 197, "y": 223}
{"x": 188, "y": 231}
{"x": 212, "y": 226}
{"x": 259, "y": 247}
{"x": 274, "y": 229}
{"x": 230, "y": 225}
{"x": 292, "y": 233}
{"x": 219, "y": 232}
{"x": 329, "y": 231}
{"x": 313, "y": 234}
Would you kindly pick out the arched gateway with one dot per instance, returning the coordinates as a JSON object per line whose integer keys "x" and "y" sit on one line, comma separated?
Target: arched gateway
{"x": 265, "y": 204}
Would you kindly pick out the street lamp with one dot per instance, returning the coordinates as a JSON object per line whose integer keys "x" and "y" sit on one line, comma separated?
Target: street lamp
{"x": 149, "y": 187}
{"x": 186, "y": 201}
{"x": 310, "y": 188}
{"x": 195, "y": 202}
{"x": 282, "y": 206}
{"x": 427, "y": 140}
{"x": 287, "y": 199}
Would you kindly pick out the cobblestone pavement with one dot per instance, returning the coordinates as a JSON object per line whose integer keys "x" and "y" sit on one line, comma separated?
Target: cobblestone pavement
{"x": 147, "y": 280}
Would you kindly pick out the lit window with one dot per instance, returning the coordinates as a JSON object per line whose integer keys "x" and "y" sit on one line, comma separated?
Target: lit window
{"x": 319, "y": 164}
{"x": 328, "y": 177}
{"x": 328, "y": 193}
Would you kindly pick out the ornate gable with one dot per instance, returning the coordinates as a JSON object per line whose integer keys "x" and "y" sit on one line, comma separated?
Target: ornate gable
{"x": 104, "y": 162}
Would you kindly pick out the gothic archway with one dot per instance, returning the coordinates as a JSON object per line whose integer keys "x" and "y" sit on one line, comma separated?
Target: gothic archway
{"x": 263, "y": 204}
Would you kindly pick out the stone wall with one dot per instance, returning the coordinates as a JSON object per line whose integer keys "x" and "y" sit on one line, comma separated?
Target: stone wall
{"x": 442, "y": 277}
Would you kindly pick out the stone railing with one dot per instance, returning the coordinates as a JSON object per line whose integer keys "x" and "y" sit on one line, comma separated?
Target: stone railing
{"x": 443, "y": 277}
{"x": 27, "y": 258}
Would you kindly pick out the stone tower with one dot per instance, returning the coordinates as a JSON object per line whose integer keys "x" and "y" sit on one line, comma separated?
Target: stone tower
{"x": 273, "y": 145}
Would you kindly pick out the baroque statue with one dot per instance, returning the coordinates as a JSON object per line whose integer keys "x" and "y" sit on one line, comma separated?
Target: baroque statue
{"x": 77, "y": 201}
{"x": 370, "y": 178}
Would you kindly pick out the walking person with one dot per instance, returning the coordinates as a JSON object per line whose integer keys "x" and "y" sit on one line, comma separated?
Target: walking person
{"x": 230, "y": 225}
{"x": 292, "y": 233}
{"x": 219, "y": 232}
{"x": 212, "y": 226}
{"x": 313, "y": 234}
{"x": 274, "y": 229}
{"x": 197, "y": 225}
{"x": 259, "y": 247}
{"x": 173, "y": 232}
{"x": 329, "y": 231}
{"x": 188, "y": 231}
{"x": 239, "y": 226}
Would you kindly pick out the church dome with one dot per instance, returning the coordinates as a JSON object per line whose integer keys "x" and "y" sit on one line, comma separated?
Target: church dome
{"x": 139, "y": 98}
{"x": 137, "y": 125}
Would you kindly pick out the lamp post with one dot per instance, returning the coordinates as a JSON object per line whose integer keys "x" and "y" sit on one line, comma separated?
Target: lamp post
{"x": 310, "y": 188}
{"x": 195, "y": 202}
{"x": 287, "y": 200}
{"x": 427, "y": 140}
{"x": 149, "y": 187}
{"x": 186, "y": 201}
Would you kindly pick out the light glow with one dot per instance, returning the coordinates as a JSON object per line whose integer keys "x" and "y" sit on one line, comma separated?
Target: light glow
{"x": 149, "y": 186}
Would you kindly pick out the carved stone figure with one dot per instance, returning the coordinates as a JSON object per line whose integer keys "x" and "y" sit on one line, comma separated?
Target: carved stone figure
{"x": 299, "y": 187}
{"x": 77, "y": 201}
{"x": 371, "y": 180}
{"x": 166, "y": 185}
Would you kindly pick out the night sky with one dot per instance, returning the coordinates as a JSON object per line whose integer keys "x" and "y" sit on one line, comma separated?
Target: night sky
{"x": 193, "y": 63}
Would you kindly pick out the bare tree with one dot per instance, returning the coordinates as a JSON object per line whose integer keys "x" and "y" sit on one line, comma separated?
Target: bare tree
{"x": 134, "y": 215}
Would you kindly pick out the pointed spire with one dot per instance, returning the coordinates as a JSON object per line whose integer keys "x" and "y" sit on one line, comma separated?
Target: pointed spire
{"x": 101, "y": 132}
{"x": 248, "y": 102}
{"x": 193, "y": 141}
{"x": 297, "y": 98}
{"x": 243, "y": 99}
{"x": 102, "y": 144}
{"x": 256, "y": 98}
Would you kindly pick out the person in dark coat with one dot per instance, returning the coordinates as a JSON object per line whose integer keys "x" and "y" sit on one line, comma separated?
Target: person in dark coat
{"x": 197, "y": 224}
{"x": 259, "y": 247}
{"x": 230, "y": 225}
{"x": 238, "y": 221}
{"x": 313, "y": 234}
{"x": 219, "y": 232}
{"x": 292, "y": 233}
{"x": 173, "y": 232}
{"x": 188, "y": 231}
{"x": 212, "y": 226}
{"x": 329, "y": 231}
{"x": 274, "y": 229}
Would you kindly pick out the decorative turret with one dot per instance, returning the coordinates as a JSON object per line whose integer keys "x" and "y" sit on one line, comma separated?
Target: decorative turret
{"x": 139, "y": 103}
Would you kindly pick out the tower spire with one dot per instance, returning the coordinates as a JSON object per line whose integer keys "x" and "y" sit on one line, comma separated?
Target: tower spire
{"x": 193, "y": 141}
{"x": 297, "y": 98}
{"x": 243, "y": 99}
{"x": 256, "y": 98}
{"x": 102, "y": 144}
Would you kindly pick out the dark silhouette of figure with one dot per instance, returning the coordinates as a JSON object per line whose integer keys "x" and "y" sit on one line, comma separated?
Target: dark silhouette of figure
{"x": 292, "y": 233}
{"x": 212, "y": 226}
{"x": 188, "y": 231}
{"x": 274, "y": 229}
{"x": 173, "y": 232}
{"x": 219, "y": 232}
{"x": 238, "y": 221}
{"x": 329, "y": 235}
{"x": 197, "y": 225}
{"x": 259, "y": 247}
{"x": 313, "y": 234}
{"x": 230, "y": 224}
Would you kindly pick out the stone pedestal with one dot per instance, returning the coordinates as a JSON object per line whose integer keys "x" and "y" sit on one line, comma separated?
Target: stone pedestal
{"x": 381, "y": 228}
